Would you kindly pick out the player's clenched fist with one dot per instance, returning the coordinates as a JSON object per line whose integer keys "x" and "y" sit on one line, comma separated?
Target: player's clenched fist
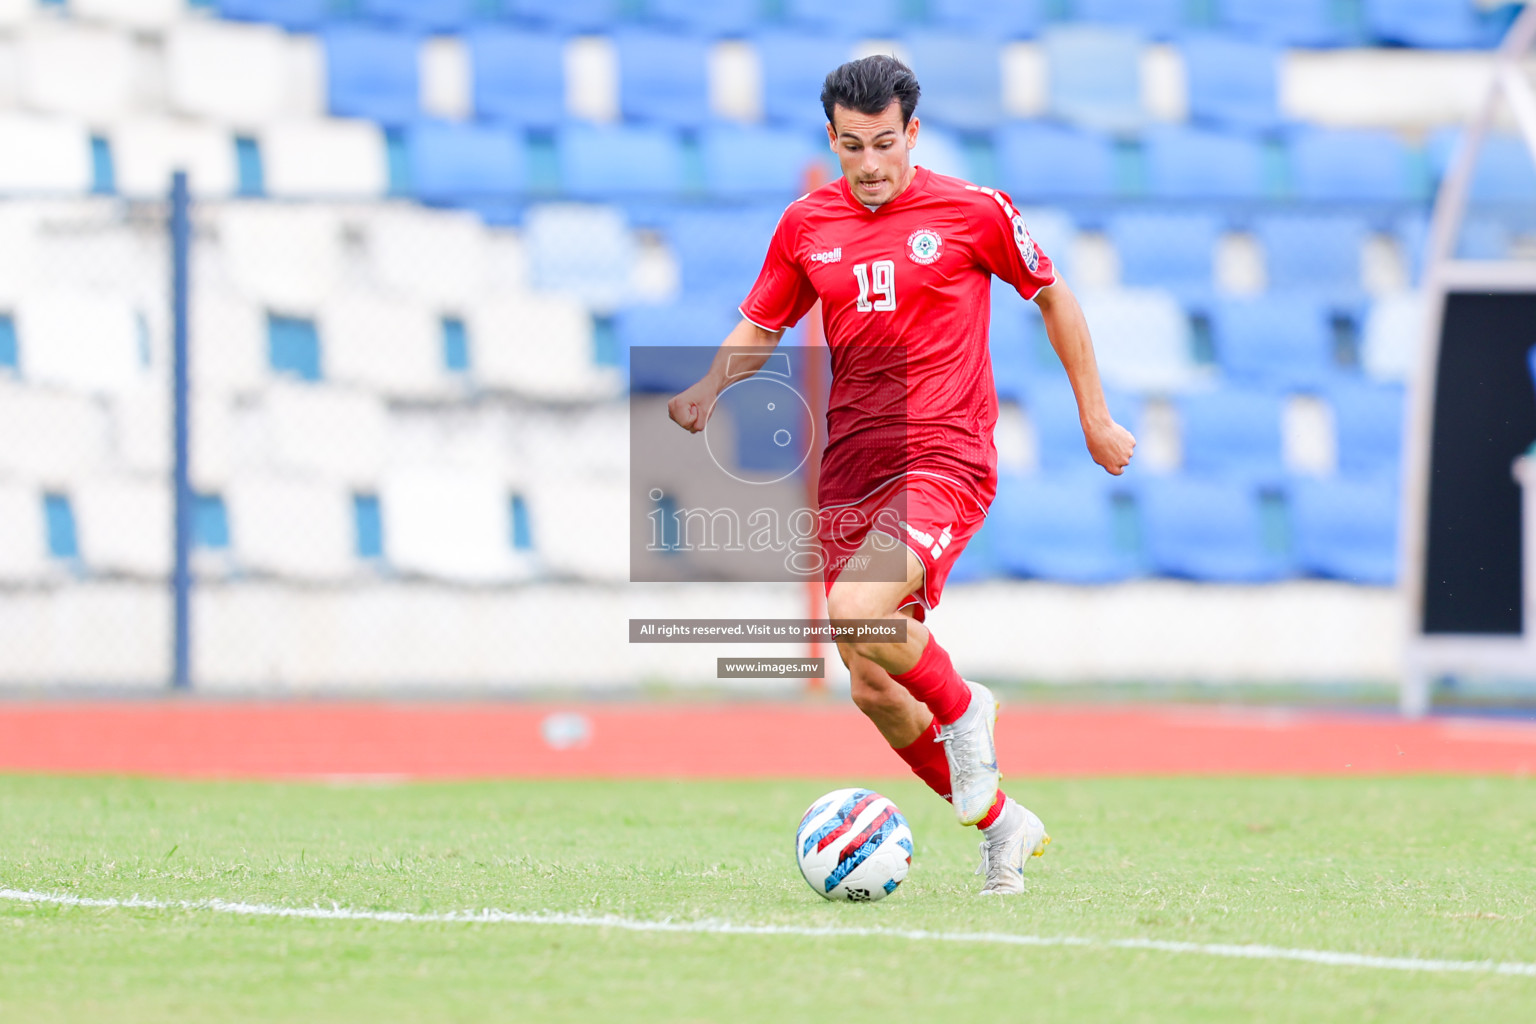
{"x": 1111, "y": 445}
{"x": 690, "y": 409}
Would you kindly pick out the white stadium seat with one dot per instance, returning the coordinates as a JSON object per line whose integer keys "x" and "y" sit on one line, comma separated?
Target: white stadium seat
{"x": 124, "y": 524}
{"x": 450, "y": 523}
{"x": 445, "y": 88}
{"x": 942, "y": 153}
{"x": 328, "y": 432}
{"x": 286, "y": 257}
{"x": 49, "y": 437}
{"x": 227, "y": 340}
{"x": 89, "y": 246}
{"x": 141, "y": 427}
{"x": 384, "y": 342}
{"x": 140, "y": 14}
{"x": 581, "y": 527}
{"x": 199, "y": 60}
{"x": 735, "y": 81}
{"x": 290, "y": 526}
{"x": 43, "y": 154}
{"x": 83, "y": 70}
{"x": 1394, "y": 336}
{"x": 581, "y": 249}
{"x": 537, "y": 345}
{"x": 312, "y": 159}
{"x": 80, "y": 338}
{"x": 23, "y": 536}
{"x": 506, "y": 261}
{"x": 438, "y": 256}
{"x": 1142, "y": 340}
{"x": 147, "y": 151}
{"x": 18, "y": 244}
{"x": 212, "y": 438}
{"x": 17, "y": 12}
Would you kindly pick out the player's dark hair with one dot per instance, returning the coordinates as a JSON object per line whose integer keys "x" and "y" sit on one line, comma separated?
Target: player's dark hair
{"x": 868, "y": 85}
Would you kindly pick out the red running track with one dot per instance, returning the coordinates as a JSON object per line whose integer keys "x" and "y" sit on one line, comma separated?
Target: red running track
{"x": 297, "y": 739}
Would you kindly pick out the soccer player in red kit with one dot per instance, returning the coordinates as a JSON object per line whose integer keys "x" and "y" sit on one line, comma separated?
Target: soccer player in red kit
{"x": 902, "y": 260}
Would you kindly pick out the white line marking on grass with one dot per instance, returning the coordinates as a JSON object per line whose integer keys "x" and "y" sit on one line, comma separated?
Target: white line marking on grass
{"x": 338, "y": 913}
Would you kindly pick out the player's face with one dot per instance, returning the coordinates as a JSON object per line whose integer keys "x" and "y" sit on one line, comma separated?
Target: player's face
{"x": 875, "y": 151}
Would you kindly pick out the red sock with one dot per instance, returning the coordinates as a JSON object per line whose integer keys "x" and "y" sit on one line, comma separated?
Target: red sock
{"x": 934, "y": 681}
{"x": 925, "y": 756}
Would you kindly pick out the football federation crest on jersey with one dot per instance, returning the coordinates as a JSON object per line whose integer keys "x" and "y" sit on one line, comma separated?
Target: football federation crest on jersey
{"x": 924, "y": 246}
{"x": 1026, "y": 244}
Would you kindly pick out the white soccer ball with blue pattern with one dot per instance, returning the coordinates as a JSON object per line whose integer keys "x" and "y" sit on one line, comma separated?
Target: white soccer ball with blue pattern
{"x": 854, "y": 845}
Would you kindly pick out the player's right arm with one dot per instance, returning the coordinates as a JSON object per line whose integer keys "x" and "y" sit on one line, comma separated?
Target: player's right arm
{"x": 778, "y": 300}
{"x": 742, "y": 354}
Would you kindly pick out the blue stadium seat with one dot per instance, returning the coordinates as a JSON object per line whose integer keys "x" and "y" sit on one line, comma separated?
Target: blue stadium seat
{"x": 1058, "y": 528}
{"x": 1166, "y": 250}
{"x": 676, "y": 342}
{"x": 1018, "y": 19}
{"x": 1043, "y": 161}
{"x": 1059, "y": 437}
{"x": 663, "y": 77}
{"x": 420, "y": 15}
{"x": 962, "y": 79}
{"x": 715, "y": 18}
{"x": 795, "y": 64}
{"x": 876, "y": 18}
{"x": 1346, "y": 529}
{"x": 1194, "y": 163}
{"x": 1368, "y": 425}
{"x": 939, "y": 150}
{"x": 372, "y": 73}
{"x": 978, "y": 562}
{"x": 1274, "y": 340}
{"x": 1503, "y": 171}
{"x": 1232, "y": 81}
{"x": 1444, "y": 24}
{"x": 1159, "y": 18}
{"x": 1312, "y": 251}
{"x": 1095, "y": 75}
{"x": 1294, "y": 22}
{"x": 465, "y": 164}
{"x": 1355, "y": 165}
{"x": 721, "y": 250}
{"x": 756, "y": 162}
{"x": 581, "y": 249}
{"x": 566, "y": 15}
{"x": 1054, "y": 232}
{"x": 1233, "y": 432}
{"x": 1017, "y": 342}
{"x": 620, "y": 161}
{"x": 518, "y": 76}
{"x": 293, "y": 15}
{"x": 1208, "y": 530}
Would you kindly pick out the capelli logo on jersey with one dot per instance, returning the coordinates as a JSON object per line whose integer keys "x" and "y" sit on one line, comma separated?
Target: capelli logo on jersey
{"x": 830, "y": 256}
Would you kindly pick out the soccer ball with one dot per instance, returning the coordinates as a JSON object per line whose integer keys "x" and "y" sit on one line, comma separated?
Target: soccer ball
{"x": 854, "y": 845}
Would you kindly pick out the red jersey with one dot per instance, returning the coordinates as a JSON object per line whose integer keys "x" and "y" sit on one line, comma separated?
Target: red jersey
{"x": 905, "y": 292}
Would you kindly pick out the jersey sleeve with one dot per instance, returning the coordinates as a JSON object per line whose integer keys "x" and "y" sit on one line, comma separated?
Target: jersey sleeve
{"x": 1004, "y": 246}
{"x": 782, "y": 293}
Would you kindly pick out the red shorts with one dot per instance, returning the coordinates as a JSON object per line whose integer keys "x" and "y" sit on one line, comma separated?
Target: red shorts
{"x": 932, "y": 516}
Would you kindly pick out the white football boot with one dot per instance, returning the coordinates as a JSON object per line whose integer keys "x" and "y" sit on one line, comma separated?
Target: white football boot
{"x": 972, "y": 756}
{"x": 1020, "y": 835}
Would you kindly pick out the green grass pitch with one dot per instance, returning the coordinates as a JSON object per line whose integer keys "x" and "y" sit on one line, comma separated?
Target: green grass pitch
{"x": 1408, "y": 867}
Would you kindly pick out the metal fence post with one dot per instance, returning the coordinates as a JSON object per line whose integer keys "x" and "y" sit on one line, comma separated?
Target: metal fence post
{"x": 181, "y": 578}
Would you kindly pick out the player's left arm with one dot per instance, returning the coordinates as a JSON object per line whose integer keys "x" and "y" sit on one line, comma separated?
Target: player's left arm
{"x": 1109, "y": 443}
